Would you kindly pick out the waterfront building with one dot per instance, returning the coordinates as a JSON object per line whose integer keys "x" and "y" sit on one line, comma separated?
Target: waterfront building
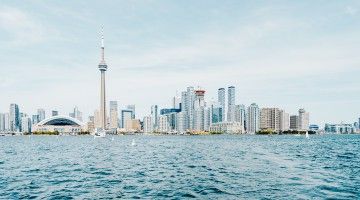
{"x": 147, "y": 124}
{"x": 240, "y": 114}
{"x": 294, "y": 122}
{"x": 154, "y": 116}
{"x": 125, "y": 115}
{"x": 54, "y": 113}
{"x": 270, "y": 119}
{"x": 314, "y": 127}
{"x": 303, "y": 119}
{"x": 221, "y": 100}
{"x": 164, "y": 126}
{"x": 41, "y": 114}
{"x": 253, "y": 119}
{"x": 114, "y": 118}
{"x": 14, "y": 118}
{"x": 189, "y": 107}
{"x": 207, "y": 118}
{"x": 180, "y": 122}
{"x": 132, "y": 125}
{"x": 339, "y": 128}
{"x": 217, "y": 113}
{"x": 284, "y": 121}
{"x": 227, "y": 127}
{"x": 61, "y": 124}
{"x": 231, "y": 104}
{"x": 132, "y": 108}
{"x": 26, "y": 124}
{"x": 199, "y": 105}
{"x": 4, "y": 122}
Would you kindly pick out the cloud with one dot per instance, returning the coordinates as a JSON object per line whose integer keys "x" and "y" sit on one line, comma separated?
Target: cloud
{"x": 21, "y": 26}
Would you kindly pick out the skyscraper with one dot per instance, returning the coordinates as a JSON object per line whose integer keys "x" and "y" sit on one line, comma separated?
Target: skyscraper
{"x": 303, "y": 119}
{"x": 231, "y": 104}
{"x": 14, "y": 117}
{"x": 221, "y": 100}
{"x": 2, "y": 122}
{"x": 189, "y": 107}
{"x": 132, "y": 108}
{"x": 114, "y": 122}
{"x": 253, "y": 119}
{"x": 102, "y": 68}
{"x": 154, "y": 116}
{"x": 41, "y": 114}
{"x": 284, "y": 121}
{"x": 240, "y": 114}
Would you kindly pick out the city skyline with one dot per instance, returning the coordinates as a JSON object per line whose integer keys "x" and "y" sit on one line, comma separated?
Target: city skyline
{"x": 301, "y": 67}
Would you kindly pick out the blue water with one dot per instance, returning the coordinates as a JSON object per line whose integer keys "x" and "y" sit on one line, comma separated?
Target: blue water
{"x": 179, "y": 167}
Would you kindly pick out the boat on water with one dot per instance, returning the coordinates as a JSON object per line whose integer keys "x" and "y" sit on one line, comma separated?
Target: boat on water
{"x": 307, "y": 134}
{"x": 100, "y": 133}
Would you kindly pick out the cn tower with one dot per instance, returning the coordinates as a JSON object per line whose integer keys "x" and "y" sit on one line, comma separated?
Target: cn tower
{"x": 102, "y": 68}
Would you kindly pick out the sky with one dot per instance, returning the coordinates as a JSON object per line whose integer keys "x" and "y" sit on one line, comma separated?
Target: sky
{"x": 286, "y": 54}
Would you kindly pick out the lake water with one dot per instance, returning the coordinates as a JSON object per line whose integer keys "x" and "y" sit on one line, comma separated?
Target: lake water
{"x": 179, "y": 167}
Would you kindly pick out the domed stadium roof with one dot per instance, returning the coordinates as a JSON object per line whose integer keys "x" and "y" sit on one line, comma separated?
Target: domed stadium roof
{"x": 60, "y": 121}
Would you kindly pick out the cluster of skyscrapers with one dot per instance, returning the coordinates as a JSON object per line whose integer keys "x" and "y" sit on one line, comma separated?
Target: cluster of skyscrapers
{"x": 191, "y": 113}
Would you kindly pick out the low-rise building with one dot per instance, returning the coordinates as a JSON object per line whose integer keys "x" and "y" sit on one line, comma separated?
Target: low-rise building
{"x": 227, "y": 127}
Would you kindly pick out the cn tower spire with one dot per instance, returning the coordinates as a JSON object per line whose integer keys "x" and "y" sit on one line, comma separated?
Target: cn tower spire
{"x": 102, "y": 68}
{"x": 102, "y": 46}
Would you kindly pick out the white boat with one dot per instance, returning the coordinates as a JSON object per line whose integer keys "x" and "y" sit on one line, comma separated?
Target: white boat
{"x": 133, "y": 142}
{"x": 100, "y": 134}
{"x": 307, "y": 134}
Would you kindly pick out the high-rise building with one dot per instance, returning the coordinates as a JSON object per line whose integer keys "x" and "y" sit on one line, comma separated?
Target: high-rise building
{"x": 14, "y": 117}
{"x": 270, "y": 119}
{"x": 176, "y": 102}
{"x": 54, "y": 113}
{"x": 114, "y": 118}
{"x": 303, "y": 119}
{"x": 284, "y": 121}
{"x": 26, "y": 124}
{"x": 199, "y": 105}
{"x": 102, "y": 67}
{"x": 76, "y": 114}
{"x": 207, "y": 118}
{"x": 180, "y": 122}
{"x": 163, "y": 124}
{"x": 231, "y": 104}
{"x": 189, "y": 107}
{"x": 132, "y": 108}
{"x": 217, "y": 113}
{"x": 125, "y": 115}
{"x": 221, "y": 100}
{"x": 148, "y": 126}
{"x": 154, "y": 116}
{"x": 41, "y": 114}
{"x": 2, "y": 122}
{"x": 35, "y": 119}
{"x": 253, "y": 119}
{"x": 240, "y": 114}
{"x": 294, "y": 122}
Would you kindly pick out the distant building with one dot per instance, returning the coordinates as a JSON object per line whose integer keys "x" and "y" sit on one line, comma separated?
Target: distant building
{"x": 217, "y": 114}
{"x": 294, "y": 122}
{"x": 125, "y": 115}
{"x": 54, "y": 113}
{"x": 26, "y": 124}
{"x": 231, "y": 104}
{"x": 132, "y": 108}
{"x": 314, "y": 127}
{"x": 76, "y": 114}
{"x": 253, "y": 119}
{"x": 132, "y": 124}
{"x": 270, "y": 118}
{"x": 41, "y": 114}
{"x": 35, "y": 119}
{"x": 114, "y": 118}
{"x": 176, "y": 103}
{"x": 14, "y": 117}
{"x": 4, "y": 122}
{"x": 284, "y": 121}
{"x": 339, "y": 128}
{"x": 303, "y": 120}
{"x": 154, "y": 116}
{"x": 147, "y": 123}
{"x": 163, "y": 124}
{"x": 97, "y": 119}
{"x": 227, "y": 127}
{"x": 240, "y": 114}
{"x": 180, "y": 122}
{"x": 221, "y": 100}
{"x": 61, "y": 124}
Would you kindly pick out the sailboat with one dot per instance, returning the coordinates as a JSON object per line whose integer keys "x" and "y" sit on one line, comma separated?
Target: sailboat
{"x": 307, "y": 134}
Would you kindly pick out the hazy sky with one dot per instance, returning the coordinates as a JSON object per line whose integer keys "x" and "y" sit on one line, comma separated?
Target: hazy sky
{"x": 288, "y": 54}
